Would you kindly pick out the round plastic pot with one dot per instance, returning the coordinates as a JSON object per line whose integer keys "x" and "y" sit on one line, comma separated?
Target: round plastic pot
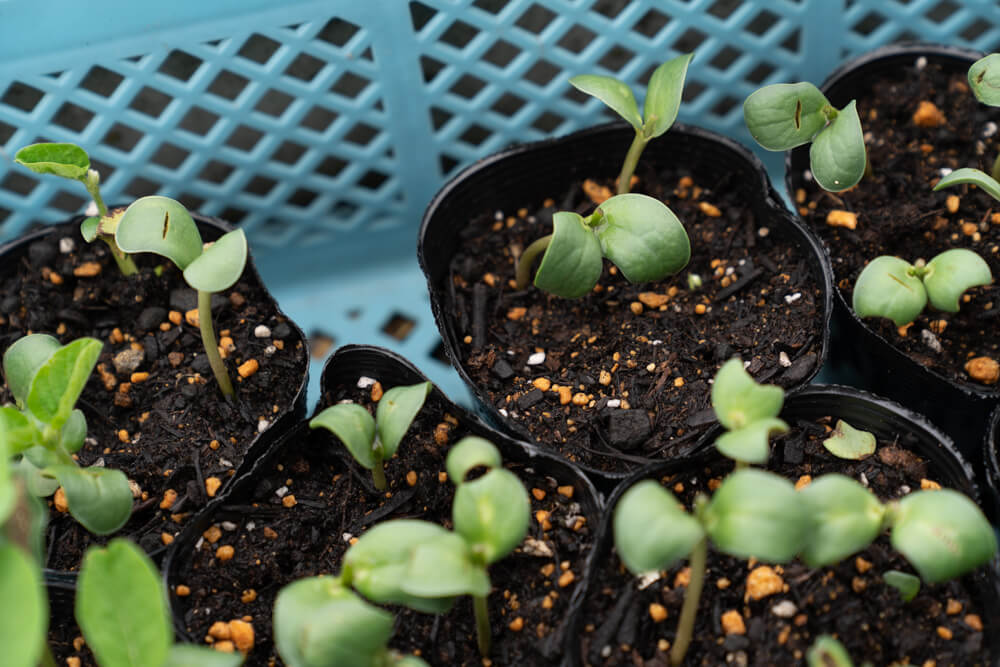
{"x": 991, "y": 459}
{"x": 533, "y": 171}
{"x": 343, "y": 370}
{"x": 857, "y": 352}
{"x": 888, "y": 420}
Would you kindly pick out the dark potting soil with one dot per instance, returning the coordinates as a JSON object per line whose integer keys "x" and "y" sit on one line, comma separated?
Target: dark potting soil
{"x": 899, "y": 214}
{"x": 623, "y": 372}
{"x": 153, "y": 408}
{"x": 943, "y": 624}
{"x": 277, "y": 541}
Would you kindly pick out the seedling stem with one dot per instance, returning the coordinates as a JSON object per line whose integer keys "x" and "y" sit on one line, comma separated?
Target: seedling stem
{"x": 483, "y": 633}
{"x": 685, "y": 626}
{"x": 631, "y": 160}
{"x": 211, "y": 346}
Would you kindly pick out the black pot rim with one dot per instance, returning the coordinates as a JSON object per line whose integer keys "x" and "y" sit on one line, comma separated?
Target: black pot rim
{"x": 992, "y": 465}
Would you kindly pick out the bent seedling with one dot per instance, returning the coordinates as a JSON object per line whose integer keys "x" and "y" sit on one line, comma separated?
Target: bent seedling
{"x": 892, "y": 287}
{"x": 785, "y": 115}
{"x": 372, "y": 441}
{"x": 984, "y": 79}
{"x": 749, "y": 412}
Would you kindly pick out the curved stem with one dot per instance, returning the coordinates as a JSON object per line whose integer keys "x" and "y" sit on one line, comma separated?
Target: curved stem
{"x": 211, "y": 346}
{"x": 92, "y": 181}
{"x": 527, "y": 258}
{"x": 631, "y": 160}
{"x": 124, "y": 260}
{"x": 378, "y": 470}
{"x": 685, "y": 626}
{"x": 995, "y": 171}
{"x": 482, "y": 624}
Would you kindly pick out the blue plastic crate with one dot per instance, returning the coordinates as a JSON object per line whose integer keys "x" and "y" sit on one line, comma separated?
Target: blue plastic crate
{"x": 325, "y": 127}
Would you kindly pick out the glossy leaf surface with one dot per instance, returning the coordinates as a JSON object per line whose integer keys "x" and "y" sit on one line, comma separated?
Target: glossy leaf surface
{"x": 904, "y": 582}
{"x": 751, "y": 444}
{"x": 785, "y": 115}
{"x": 354, "y": 426}
{"x": 492, "y": 513}
{"x": 23, "y": 359}
{"x": 220, "y": 265}
{"x": 837, "y": 156}
{"x": 984, "y": 79}
{"x": 951, "y": 273}
{"x": 663, "y": 95}
{"x": 845, "y": 517}
{"x": 17, "y": 431}
{"x": 968, "y": 176}
{"x": 444, "y": 568}
{"x": 613, "y": 93}
{"x": 887, "y": 288}
{"x": 159, "y": 225}
{"x": 651, "y": 529}
{"x": 59, "y": 382}
{"x": 642, "y": 237}
{"x": 847, "y": 442}
{"x": 738, "y": 400}
{"x": 99, "y": 498}
{"x": 572, "y": 263}
{"x": 66, "y": 160}
{"x": 396, "y": 411}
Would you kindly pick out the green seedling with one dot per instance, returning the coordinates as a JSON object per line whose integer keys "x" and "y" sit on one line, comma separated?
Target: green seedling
{"x": 372, "y": 441}
{"x": 828, "y": 652}
{"x": 318, "y": 622}
{"x": 424, "y": 566}
{"x": 892, "y": 287}
{"x": 122, "y": 611}
{"x": 785, "y": 115}
{"x": 847, "y": 442}
{"x": 639, "y": 234}
{"x": 748, "y": 411}
{"x": 907, "y": 584}
{"x": 163, "y": 226}
{"x": 72, "y": 162}
{"x": 46, "y": 429}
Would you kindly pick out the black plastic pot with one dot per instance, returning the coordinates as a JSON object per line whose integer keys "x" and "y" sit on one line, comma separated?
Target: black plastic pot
{"x": 533, "y": 171}
{"x": 888, "y": 420}
{"x": 341, "y": 372}
{"x": 861, "y": 355}
{"x": 991, "y": 459}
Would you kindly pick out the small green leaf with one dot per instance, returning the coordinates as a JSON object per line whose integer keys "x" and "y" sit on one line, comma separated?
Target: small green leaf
{"x": 189, "y": 655}
{"x": 652, "y": 531}
{"x": 968, "y": 176}
{"x": 751, "y": 444}
{"x": 468, "y": 453}
{"x": 17, "y": 431}
{"x": 9, "y": 490}
{"x": 984, "y": 78}
{"x": 396, "y": 411}
{"x": 572, "y": 263}
{"x": 318, "y": 623}
{"x": 612, "y": 92}
{"x": 845, "y": 517}
{"x": 37, "y": 482}
{"x": 409, "y": 661}
{"x": 159, "y": 225}
{"x": 847, "y": 442}
{"x": 66, "y": 160}
{"x": 443, "y": 569}
{"x": 120, "y": 607}
{"x": 74, "y": 432}
{"x": 642, "y": 237}
{"x": 888, "y": 288}
{"x": 907, "y": 584}
{"x": 951, "y": 273}
{"x": 99, "y": 498}
{"x": 942, "y": 533}
{"x": 785, "y": 115}
{"x": 89, "y": 228}
{"x": 59, "y": 382}
{"x": 739, "y": 401}
{"x": 24, "y": 616}
{"x": 354, "y": 426}
{"x": 23, "y": 359}
{"x": 828, "y": 652}
{"x": 663, "y": 96}
{"x": 492, "y": 513}
{"x": 757, "y": 514}
{"x": 837, "y": 156}
{"x": 220, "y": 265}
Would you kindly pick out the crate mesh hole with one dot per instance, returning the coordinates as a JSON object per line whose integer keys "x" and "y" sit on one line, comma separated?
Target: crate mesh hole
{"x": 344, "y": 210}
{"x": 868, "y": 24}
{"x": 180, "y": 65}
{"x": 260, "y": 186}
{"x": 67, "y": 202}
{"x": 724, "y": 58}
{"x": 122, "y": 137}
{"x": 73, "y": 117}
{"x": 616, "y": 58}
{"x": 475, "y": 135}
{"x": 421, "y": 15}
{"x": 762, "y": 23}
{"x": 373, "y": 179}
{"x": 692, "y": 91}
{"x": 651, "y": 23}
{"x": 149, "y": 101}
{"x": 725, "y": 105}
{"x": 233, "y": 215}
{"x": 440, "y": 117}
{"x": 689, "y": 41}
{"x": 942, "y": 11}
{"x": 468, "y": 86}
{"x": 536, "y": 19}
{"x": 198, "y": 121}
{"x": 577, "y": 39}
{"x": 723, "y": 9}
{"x": 228, "y": 85}
{"x": 430, "y": 68}
{"x": 289, "y": 152}
{"x": 399, "y": 326}
{"x": 304, "y": 67}
{"x": 792, "y": 43}
{"x": 101, "y": 81}
{"x": 331, "y": 166}
{"x": 258, "y": 48}
{"x": 303, "y": 198}
{"x": 610, "y": 8}
{"x": 448, "y": 163}
{"x": 6, "y": 132}
{"x": 244, "y": 138}
{"x": 459, "y": 34}
{"x": 541, "y": 73}
{"x": 18, "y": 183}
{"x": 319, "y": 119}
{"x": 759, "y": 74}
{"x": 439, "y": 354}
{"x": 190, "y": 201}
{"x": 975, "y": 30}
{"x": 491, "y": 6}
{"x": 216, "y": 172}
{"x": 274, "y": 103}
{"x": 508, "y": 105}
{"x": 140, "y": 187}
{"x": 320, "y": 344}
{"x": 350, "y": 85}
{"x": 361, "y": 134}
{"x": 102, "y": 168}
{"x": 337, "y": 32}
{"x": 548, "y": 122}
{"x": 501, "y": 53}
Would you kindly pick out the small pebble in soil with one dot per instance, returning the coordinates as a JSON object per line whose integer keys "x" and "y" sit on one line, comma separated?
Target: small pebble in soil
{"x": 262, "y": 331}
{"x": 128, "y": 360}
{"x": 536, "y": 359}
{"x": 930, "y": 340}
{"x": 364, "y": 382}
{"x": 784, "y": 609}
{"x": 66, "y": 245}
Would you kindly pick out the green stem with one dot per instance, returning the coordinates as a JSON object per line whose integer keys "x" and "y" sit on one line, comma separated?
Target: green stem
{"x": 631, "y": 160}
{"x": 482, "y": 624}
{"x": 124, "y": 260}
{"x": 740, "y": 465}
{"x": 47, "y": 659}
{"x": 995, "y": 171}
{"x": 211, "y": 346}
{"x": 92, "y": 181}
{"x": 869, "y": 172}
{"x": 523, "y": 269}
{"x": 685, "y": 626}
{"x": 378, "y": 470}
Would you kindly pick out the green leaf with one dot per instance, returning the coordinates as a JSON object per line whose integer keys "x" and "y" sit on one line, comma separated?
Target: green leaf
{"x": 409, "y": 661}
{"x": 904, "y": 582}
{"x": 59, "y": 382}
{"x": 847, "y": 442}
{"x": 37, "y": 482}
{"x": 757, "y": 514}
{"x": 888, "y": 288}
{"x": 828, "y": 652}
{"x": 968, "y": 176}
{"x": 468, "y": 453}
{"x": 492, "y": 513}
{"x": 845, "y": 517}
{"x": 318, "y": 623}
{"x": 443, "y": 569}
{"x": 220, "y": 265}
{"x": 837, "y": 156}
{"x": 785, "y": 115}
{"x": 159, "y": 225}
{"x": 612, "y": 92}
{"x": 120, "y": 607}
{"x": 17, "y": 431}
{"x": 942, "y": 533}
{"x": 23, "y": 359}
{"x": 750, "y": 444}
{"x": 24, "y": 616}
{"x": 354, "y": 426}
{"x": 642, "y": 237}
{"x": 663, "y": 96}
{"x": 8, "y": 488}
{"x": 739, "y": 401}
{"x": 66, "y": 160}
{"x": 378, "y": 562}
{"x": 651, "y": 529}
{"x": 572, "y": 263}
{"x": 74, "y": 432}
{"x": 951, "y": 273}
{"x": 89, "y": 228}
{"x": 984, "y": 78}
{"x": 99, "y": 498}
{"x": 396, "y": 411}
{"x": 189, "y": 655}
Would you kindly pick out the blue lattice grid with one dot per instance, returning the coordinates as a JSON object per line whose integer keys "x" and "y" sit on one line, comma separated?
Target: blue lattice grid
{"x": 324, "y": 128}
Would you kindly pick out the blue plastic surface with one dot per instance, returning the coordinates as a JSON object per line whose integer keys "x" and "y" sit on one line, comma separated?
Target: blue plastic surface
{"x": 324, "y": 127}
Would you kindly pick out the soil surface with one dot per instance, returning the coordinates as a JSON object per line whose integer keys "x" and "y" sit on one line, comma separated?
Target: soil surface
{"x": 899, "y": 214}
{"x": 277, "y": 541}
{"x": 850, "y": 600}
{"x": 622, "y": 373}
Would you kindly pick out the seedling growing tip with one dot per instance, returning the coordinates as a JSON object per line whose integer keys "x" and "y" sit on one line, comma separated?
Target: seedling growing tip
{"x": 748, "y": 411}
